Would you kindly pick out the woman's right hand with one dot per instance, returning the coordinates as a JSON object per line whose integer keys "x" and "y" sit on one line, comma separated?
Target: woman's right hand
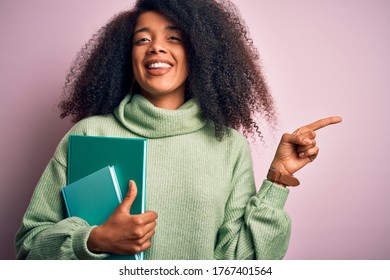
{"x": 123, "y": 233}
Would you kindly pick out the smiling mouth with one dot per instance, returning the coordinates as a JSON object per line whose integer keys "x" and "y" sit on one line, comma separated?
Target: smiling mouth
{"x": 158, "y": 65}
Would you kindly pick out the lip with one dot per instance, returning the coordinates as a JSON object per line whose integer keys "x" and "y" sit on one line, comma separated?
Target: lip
{"x": 158, "y": 71}
{"x": 150, "y": 61}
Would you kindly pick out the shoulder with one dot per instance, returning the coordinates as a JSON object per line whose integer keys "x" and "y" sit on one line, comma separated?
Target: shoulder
{"x": 237, "y": 141}
{"x": 233, "y": 141}
{"x": 235, "y": 147}
{"x": 94, "y": 125}
{"x": 240, "y": 155}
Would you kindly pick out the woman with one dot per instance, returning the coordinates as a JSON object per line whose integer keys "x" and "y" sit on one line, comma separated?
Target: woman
{"x": 194, "y": 81}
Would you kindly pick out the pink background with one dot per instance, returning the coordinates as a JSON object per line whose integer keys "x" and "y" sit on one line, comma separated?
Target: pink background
{"x": 321, "y": 58}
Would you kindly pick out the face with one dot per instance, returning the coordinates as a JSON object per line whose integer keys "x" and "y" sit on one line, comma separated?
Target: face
{"x": 159, "y": 58}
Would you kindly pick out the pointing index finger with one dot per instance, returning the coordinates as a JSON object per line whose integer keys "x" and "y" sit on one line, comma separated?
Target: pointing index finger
{"x": 324, "y": 122}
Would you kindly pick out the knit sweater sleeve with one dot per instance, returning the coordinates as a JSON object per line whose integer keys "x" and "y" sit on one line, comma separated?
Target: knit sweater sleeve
{"x": 45, "y": 232}
{"x": 255, "y": 224}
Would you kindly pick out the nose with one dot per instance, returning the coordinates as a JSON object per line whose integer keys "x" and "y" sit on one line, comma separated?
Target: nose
{"x": 156, "y": 47}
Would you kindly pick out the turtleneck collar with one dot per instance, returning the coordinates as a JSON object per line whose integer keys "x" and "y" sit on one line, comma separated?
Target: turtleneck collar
{"x": 141, "y": 117}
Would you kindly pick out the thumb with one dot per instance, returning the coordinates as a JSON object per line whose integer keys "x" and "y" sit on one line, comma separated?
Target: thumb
{"x": 297, "y": 139}
{"x": 130, "y": 196}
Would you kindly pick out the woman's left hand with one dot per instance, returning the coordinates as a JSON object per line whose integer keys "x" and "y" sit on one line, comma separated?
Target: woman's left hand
{"x": 299, "y": 148}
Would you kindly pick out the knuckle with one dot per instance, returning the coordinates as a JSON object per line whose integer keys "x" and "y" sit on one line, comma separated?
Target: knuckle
{"x": 138, "y": 233}
{"x": 137, "y": 248}
{"x": 129, "y": 195}
{"x": 140, "y": 246}
{"x": 285, "y": 136}
{"x": 151, "y": 215}
{"x": 138, "y": 220}
{"x": 139, "y": 242}
{"x": 303, "y": 130}
{"x": 146, "y": 245}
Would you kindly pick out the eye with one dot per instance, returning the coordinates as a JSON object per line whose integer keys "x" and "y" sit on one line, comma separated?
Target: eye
{"x": 141, "y": 41}
{"x": 174, "y": 38}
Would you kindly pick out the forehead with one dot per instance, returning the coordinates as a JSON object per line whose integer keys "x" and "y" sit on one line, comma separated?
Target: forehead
{"x": 152, "y": 18}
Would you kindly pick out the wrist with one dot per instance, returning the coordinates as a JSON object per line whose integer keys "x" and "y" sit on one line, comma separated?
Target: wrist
{"x": 94, "y": 241}
{"x": 280, "y": 167}
{"x": 277, "y": 183}
{"x": 278, "y": 177}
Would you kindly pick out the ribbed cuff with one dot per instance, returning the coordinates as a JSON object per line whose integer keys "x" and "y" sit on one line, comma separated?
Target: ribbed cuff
{"x": 80, "y": 248}
{"x": 272, "y": 194}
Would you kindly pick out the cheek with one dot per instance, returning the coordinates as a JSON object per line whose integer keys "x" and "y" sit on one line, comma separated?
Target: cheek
{"x": 136, "y": 58}
{"x": 185, "y": 71}
{"x": 135, "y": 64}
{"x": 184, "y": 66}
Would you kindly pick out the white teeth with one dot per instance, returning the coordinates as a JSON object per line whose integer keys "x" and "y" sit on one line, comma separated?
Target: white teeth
{"x": 159, "y": 65}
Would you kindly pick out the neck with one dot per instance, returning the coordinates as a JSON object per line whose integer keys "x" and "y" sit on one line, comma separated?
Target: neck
{"x": 165, "y": 101}
{"x": 141, "y": 117}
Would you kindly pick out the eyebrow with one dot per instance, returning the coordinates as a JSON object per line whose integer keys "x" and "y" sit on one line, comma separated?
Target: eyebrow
{"x": 147, "y": 29}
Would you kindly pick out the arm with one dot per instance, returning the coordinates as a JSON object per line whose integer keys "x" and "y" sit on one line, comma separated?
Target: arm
{"x": 261, "y": 228}
{"x": 45, "y": 233}
{"x": 255, "y": 225}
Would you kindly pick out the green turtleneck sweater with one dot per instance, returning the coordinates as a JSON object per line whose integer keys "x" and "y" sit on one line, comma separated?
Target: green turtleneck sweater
{"x": 202, "y": 189}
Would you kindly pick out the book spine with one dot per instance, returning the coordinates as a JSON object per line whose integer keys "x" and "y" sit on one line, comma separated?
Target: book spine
{"x": 140, "y": 256}
{"x": 116, "y": 183}
{"x": 69, "y": 159}
{"x": 144, "y": 176}
{"x": 63, "y": 191}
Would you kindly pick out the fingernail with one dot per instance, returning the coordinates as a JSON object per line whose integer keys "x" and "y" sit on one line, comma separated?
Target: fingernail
{"x": 302, "y": 154}
{"x": 307, "y": 141}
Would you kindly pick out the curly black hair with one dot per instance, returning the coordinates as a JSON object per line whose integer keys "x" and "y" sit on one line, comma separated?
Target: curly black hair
{"x": 225, "y": 75}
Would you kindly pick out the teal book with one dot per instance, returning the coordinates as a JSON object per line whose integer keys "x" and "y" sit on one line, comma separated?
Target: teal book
{"x": 94, "y": 197}
{"x": 87, "y": 154}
